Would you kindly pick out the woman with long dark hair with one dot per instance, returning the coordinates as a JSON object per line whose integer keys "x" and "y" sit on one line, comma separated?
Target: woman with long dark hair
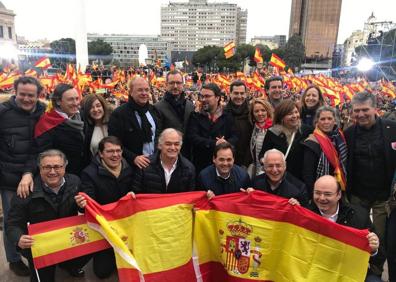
{"x": 311, "y": 100}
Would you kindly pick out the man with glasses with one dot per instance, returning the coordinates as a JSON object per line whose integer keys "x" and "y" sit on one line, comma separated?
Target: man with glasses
{"x": 174, "y": 108}
{"x": 52, "y": 198}
{"x": 18, "y": 118}
{"x": 327, "y": 203}
{"x": 238, "y": 106}
{"x": 209, "y": 127}
{"x": 277, "y": 181}
{"x": 107, "y": 179}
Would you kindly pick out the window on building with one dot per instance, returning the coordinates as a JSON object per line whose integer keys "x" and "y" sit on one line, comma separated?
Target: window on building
{"x": 1, "y": 32}
{"x": 9, "y": 32}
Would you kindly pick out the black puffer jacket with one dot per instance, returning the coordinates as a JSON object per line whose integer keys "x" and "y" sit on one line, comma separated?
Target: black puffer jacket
{"x": 152, "y": 178}
{"x": 17, "y": 148}
{"x": 98, "y": 183}
{"x": 38, "y": 207}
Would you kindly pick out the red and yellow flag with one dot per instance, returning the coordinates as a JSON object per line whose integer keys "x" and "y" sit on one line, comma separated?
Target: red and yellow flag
{"x": 43, "y": 63}
{"x": 258, "y": 58}
{"x": 276, "y": 61}
{"x": 229, "y": 49}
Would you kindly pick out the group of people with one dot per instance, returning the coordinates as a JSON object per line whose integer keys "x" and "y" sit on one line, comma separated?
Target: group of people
{"x": 295, "y": 150}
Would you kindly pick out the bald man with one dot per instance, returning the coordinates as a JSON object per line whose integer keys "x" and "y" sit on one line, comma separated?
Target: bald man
{"x": 328, "y": 203}
{"x": 136, "y": 124}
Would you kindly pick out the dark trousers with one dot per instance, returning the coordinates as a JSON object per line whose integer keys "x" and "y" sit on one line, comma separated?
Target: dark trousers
{"x": 47, "y": 274}
{"x": 391, "y": 246}
{"x": 104, "y": 263}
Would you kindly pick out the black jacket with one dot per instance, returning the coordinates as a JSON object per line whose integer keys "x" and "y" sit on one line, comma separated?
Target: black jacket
{"x": 388, "y": 129}
{"x": 17, "y": 148}
{"x": 70, "y": 141}
{"x": 152, "y": 178}
{"x": 168, "y": 115}
{"x": 349, "y": 215}
{"x": 124, "y": 125}
{"x": 294, "y": 161}
{"x": 208, "y": 180}
{"x": 290, "y": 187}
{"x": 38, "y": 207}
{"x": 244, "y": 130}
{"x": 201, "y": 135}
{"x": 102, "y": 186}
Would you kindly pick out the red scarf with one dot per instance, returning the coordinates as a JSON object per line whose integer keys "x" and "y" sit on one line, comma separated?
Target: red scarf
{"x": 48, "y": 121}
{"x": 267, "y": 124}
{"x": 332, "y": 155}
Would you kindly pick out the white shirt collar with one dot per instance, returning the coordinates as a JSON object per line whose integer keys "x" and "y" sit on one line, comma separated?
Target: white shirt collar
{"x": 332, "y": 217}
{"x": 225, "y": 178}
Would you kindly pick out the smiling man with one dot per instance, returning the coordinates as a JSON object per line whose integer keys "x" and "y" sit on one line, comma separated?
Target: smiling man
{"x": 277, "y": 181}
{"x": 223, "y": 176}
{"x": 17, "y": 161}
{"x": 274, "y": 89}
{"x": 136, "y": 124}
{"x": 168, "y": 171}
{"x": 371, "y": 163}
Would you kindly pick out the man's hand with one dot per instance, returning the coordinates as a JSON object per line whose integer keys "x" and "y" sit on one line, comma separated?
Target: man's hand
{"x": 373, "y": 242}
{"x": 210, "y": 194}
{"x": 132, "y": 194}
{"x": 247, "y": 190}
{"x": 25, "y": 186}
{"x": 220, "y": 140}
{"x": 80, "y": 201}
{"x": 294, "y": 202}
{"x": 141, "y": 161}
{"x": 25, "y": 242}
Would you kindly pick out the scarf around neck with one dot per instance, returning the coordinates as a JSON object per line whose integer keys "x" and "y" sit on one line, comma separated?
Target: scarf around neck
{"x": 145, "y": 124}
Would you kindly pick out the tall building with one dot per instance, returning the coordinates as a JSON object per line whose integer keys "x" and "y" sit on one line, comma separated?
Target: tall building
{"x": 273, "y": 42}
{"x": 356, "y": 39}
{"x": 8, "y": 49}
{"x": 126, "y": 47}
{"x": 188, "y": 26}
{"x": 316, "y": 21}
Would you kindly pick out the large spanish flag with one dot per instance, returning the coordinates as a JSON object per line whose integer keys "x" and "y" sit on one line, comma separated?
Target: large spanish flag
{"x": 151, "y": 236}
{"x": 276, "y": 61}
{"x": 240, "y": 237}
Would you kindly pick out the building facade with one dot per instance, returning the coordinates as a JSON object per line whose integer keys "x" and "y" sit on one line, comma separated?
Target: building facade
{"x": 273, "y": 42}
{"x": 189, "y": 26}
{"x": 8, "y": 53}
{"x": 126, "y": 47}
{"x": 317, "y": 22}
{"x": 356, "y": 39}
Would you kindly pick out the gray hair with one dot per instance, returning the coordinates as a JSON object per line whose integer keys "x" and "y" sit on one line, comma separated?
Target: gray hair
{"x": 363, "y": 97}
{"x": 273, "y": 151}
{"x": 52, "y": 153}
{"x": 169, "y": 131}
{"x": 326, "y": 109}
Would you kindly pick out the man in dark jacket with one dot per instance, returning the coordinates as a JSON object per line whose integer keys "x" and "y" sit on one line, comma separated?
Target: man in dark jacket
{"x": 174, "y": 108}
{"x": 18, "y": 118}
{"x": 223, "y": 176}
{"x": 107, "y": 179}
{"x": 371, "y": 163}
{"x": 277, "y": 181}
{"x": 209, "y": 127}
{"x": 136, "y": 124}
{"x": 327, "y": 203}
{"x": 274, "y": 89}
{"x": 169, "y": 171}
{"x": 52, "y": 198}
{"x": 239, "y": 108}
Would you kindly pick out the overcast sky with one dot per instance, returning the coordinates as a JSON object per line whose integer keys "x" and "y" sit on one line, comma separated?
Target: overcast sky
{"x": 54, "y": 19}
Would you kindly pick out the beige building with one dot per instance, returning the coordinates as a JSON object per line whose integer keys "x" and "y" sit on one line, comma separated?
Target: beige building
{"x": 316, "y": 21}
{"x": 191, "y": 25}
{"x": 354, "y": 40}
{"x": 8, "y": 45}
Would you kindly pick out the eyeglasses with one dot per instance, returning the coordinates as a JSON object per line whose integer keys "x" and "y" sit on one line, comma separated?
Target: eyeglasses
{"x": 325, "y": 194}
{"x": 117, "y": 151}
{"x": 272, "y": 166}
{"x": 206, "y": 96}
{"x": 48, "y": 168}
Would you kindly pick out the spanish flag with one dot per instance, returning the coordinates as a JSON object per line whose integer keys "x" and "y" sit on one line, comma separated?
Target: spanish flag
{"x": 261, "y": 237}
{"x": 8, "y": 80}
{"x": 229, "y": 49}
{"x": 258, "y": 58}
{"x": 48, "y": 121}
{"x": 43, "y": 63}
{"x": 277, "y": 62}
{"x": 31, "y": 72}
